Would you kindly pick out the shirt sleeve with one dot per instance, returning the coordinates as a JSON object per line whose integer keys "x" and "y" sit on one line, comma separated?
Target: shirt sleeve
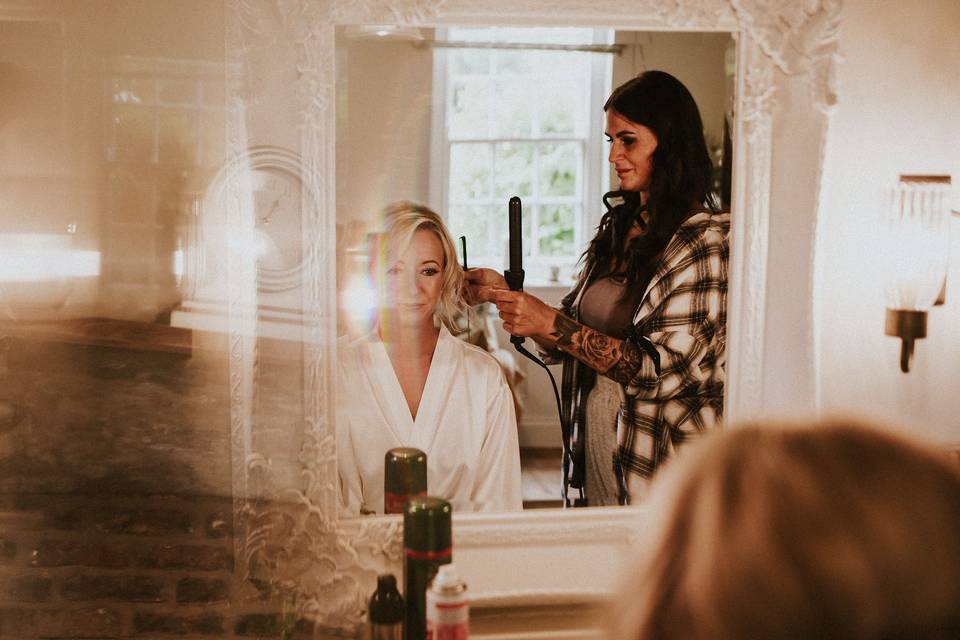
{"x": 498, "y": 478}
{"x": 683, "y": 316}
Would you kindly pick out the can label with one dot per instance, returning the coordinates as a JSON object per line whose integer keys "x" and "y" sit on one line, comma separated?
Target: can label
{"x": 447, "y": 618}
{"x": 395, "y": 502}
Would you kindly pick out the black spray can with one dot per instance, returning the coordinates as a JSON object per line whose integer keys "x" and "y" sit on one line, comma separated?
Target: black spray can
{"x": 427, "y": 544}
{"x": 404, "y": 476}
{"x": 385, "y": 611}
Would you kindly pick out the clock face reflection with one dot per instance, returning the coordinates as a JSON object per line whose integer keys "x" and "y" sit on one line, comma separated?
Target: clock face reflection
{"x": 277, "y": 202}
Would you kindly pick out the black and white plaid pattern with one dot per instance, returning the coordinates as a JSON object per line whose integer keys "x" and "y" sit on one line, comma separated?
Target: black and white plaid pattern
{"x": 684, "y": 315}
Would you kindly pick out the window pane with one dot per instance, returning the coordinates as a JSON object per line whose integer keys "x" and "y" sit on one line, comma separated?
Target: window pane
{"x": 470, "y": 165}
{"x": 178, "y": 137}
{"x": 515, "y": 100}
{"x": 178, "y": 91}
{"x": 133, "y": 91}
{"x": 535, "y": 120}
{"x": 556, "y": 229}
{"x": 514, "y": 170}
{"x": 468, "y": 108}
{"x": 499, "y": 236}
{"x": 526, "y": 225}
{"x": 133, "y": 127}
{"x": 469, "y": 61}
{"x": 559, "y": 165}
{"x": 560, "y": 102}
{"x": 472, "y": 222}
{"x": 212, "y": 138}
{"x": 513, "y": 62}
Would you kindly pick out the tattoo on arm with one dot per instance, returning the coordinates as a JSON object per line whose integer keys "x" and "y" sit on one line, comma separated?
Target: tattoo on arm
{"x": 617, "y": 359}
{"x": 564, "y": 329}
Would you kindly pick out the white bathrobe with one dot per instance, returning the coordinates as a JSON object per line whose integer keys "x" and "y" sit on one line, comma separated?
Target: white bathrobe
{"x": 465, "y": 424}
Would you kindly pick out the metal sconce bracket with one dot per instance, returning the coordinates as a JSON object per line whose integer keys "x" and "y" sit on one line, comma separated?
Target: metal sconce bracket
{"x": 908, "y": 325}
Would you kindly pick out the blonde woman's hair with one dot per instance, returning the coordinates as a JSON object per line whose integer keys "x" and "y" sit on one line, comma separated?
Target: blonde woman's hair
{"x": 401, "y": 220}
{"x": 837, "y": 530}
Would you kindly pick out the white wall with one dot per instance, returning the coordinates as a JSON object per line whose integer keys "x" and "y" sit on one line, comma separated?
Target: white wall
{"x": 383, "y": 125}
{"x": 898, "y": 113}
{"x": 696, "y": 59}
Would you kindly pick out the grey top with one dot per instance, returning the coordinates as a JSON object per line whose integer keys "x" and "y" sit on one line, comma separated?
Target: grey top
{"x": 602, "y": 308}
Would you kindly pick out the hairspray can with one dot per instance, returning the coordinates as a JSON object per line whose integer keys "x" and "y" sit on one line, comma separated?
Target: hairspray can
{"x": 448, "y": 613}
{"x": 427, "y": 543}
{"x": 404, "y": 476}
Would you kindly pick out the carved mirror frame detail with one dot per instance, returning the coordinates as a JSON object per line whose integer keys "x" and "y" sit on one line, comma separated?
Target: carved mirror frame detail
{"x": 288, "y": 531}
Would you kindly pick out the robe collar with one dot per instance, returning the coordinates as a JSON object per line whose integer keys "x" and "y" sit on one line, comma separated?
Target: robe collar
{"x": 422, "y": 432}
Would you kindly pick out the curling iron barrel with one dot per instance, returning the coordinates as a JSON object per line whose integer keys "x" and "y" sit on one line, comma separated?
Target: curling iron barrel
{"x": 514, "y": 275}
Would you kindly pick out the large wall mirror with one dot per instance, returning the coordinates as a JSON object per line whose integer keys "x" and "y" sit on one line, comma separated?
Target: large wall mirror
{"x": 183, "y": 184}
{"x": 770, "y": 71}
{"x": 443, "y": 117}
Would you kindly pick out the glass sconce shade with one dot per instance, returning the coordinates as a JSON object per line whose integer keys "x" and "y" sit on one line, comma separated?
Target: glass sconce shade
{"x": 916, "y": 237}
{"x": 917, "y": 227}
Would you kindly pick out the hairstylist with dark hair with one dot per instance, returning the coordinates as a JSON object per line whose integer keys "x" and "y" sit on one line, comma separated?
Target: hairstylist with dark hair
{"x": 648, "y": 311}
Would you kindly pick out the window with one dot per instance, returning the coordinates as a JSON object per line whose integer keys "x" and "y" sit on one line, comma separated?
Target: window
{"x": 165, "y": 112}
{"x": 524, "y": 121}
{"x": 164, "y": 135}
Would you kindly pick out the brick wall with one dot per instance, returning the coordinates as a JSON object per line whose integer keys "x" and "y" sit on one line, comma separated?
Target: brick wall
{"x": 116, "y": 514}
{"x": 135, "y": 566}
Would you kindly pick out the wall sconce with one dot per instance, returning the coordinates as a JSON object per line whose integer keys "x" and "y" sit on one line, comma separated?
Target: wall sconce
{"x": 917, "y": 228}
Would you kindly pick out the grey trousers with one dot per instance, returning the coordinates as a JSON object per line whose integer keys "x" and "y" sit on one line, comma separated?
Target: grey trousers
{"x": 602, "y": 406}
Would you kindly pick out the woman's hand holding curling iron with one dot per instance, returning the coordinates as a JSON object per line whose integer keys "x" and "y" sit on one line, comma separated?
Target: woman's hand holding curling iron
{"x": 523, "y": 314}
{"x": 480, "y": 283}
{"x": 527, "y": 316}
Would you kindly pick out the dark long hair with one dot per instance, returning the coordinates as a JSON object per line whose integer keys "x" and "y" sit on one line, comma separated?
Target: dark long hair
{"x": 680, "y": 178}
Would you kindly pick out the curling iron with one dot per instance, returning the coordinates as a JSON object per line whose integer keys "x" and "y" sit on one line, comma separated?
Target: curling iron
{"x": 514, "y": 277}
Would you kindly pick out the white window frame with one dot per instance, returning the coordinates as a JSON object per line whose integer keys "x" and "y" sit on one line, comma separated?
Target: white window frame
{"x": 594, "y": 173}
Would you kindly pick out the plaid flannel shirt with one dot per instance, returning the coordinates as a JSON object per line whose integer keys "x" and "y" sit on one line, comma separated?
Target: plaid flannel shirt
{"x": 683, "y": 314}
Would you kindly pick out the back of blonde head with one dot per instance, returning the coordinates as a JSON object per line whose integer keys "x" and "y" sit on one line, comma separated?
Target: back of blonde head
{"x": 833, "y": 531}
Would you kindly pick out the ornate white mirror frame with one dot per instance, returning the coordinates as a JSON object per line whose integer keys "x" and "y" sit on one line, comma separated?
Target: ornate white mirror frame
{"x": 281, "y": 58}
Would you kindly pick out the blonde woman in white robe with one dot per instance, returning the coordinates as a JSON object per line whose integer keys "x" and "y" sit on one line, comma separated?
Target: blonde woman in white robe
{"x": 410, "y": 383}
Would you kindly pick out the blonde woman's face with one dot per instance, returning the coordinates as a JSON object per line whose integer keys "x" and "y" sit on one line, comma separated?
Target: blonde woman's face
{"x": 414, "y": 280}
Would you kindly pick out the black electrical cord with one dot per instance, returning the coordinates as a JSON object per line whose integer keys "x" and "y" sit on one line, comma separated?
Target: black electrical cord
{"x": 564, "y": 427}
{"x": 514, "y": 278}
{"x": 565, "y": 431}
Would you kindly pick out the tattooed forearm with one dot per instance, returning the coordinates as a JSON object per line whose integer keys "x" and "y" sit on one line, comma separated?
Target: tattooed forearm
{"x": 564, "y": 329}
{"x": 628, "y": 366}
{"x": 616, "y": 359}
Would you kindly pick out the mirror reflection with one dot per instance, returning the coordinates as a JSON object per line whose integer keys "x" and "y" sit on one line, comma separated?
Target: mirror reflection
{"x": 462, "y": 119}
{"x": 132, "y": 429}
{"x": 409, "y": 383}
{"x": 116, "y": 478}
